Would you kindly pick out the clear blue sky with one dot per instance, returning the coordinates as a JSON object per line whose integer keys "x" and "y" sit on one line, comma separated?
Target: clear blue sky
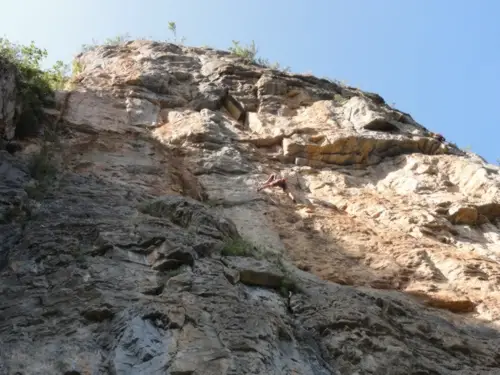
{"x": 438, "y": 60}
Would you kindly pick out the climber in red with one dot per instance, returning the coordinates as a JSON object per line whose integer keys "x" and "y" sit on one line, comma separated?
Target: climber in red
{"x": 272, "y": 181}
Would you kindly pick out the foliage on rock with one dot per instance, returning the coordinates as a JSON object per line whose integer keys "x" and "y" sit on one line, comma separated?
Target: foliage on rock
{"x": 249, "y": 54}
{"x": 172, "y": 27}
{"x": 119, "y": 39}
{"x": 35, "y": 86}
{"x": 237, "y": 247}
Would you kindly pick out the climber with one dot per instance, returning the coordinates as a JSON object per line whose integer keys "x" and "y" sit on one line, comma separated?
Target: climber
{"x": 272, "y": 181}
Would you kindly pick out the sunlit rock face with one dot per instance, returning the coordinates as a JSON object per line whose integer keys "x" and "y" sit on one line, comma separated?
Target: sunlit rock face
{"x": 134, "y": 240}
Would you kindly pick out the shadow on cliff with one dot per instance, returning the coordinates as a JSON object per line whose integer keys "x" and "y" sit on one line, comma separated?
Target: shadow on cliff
{"x": 313, "y": 235}
{"x": 319, "y": 251}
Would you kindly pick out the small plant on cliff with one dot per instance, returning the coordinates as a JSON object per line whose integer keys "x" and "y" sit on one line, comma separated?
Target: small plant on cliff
{"x": 173, "y": 29}
{"x": 237, "y": 247}
{"x": 58, "y": 75}
{"x": 288, "y": 285}
{"x": 35, "y": 86}
{"x": 76, "y": 68}
{"x": 249, "y": 54}
{"x": 289, "y": 282}
{"x": 119, "y": 39}
{"x": 275, "y": 65}
{"x": 339, "y": 99}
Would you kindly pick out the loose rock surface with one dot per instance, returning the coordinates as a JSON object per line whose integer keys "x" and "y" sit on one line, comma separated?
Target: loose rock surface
{"x": 137, "y": 243}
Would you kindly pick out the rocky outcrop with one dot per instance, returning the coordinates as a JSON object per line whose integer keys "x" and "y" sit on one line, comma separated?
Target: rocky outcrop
{"x": 8, "y": 98}
{"x": 136, "y": 242}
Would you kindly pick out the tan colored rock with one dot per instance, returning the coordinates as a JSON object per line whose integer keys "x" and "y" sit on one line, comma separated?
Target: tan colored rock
{"x": 195, "y": 127}
{"x": 490, "y": 211}
{"x": 234, "y": 108}
{"x": 256, "y": 272}
{"x": 446, "y": 300}
{"x": 463, "y": 215}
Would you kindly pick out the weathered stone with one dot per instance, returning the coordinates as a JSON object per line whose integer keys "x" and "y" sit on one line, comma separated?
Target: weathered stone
{"x": 267, "y": 85}
{"x": 234, "y": 108}
{"x": 210, "y": 97}
{"x": 363, "y": 115}
{"x": 8, "y": 99}
{"x": 169, "y": 259}
{"x": 463, "y": 215}
{"x": 189, "y": 213}
{"x": 301, "y": 161}
{"x": 490, "y": 210}
{"x": 192, "y": 127}
{"x": 98, "y": 314}
{"x": 106, "y": 268}
{"x": 256, "y": 272}
{"x": 232, "y": 275}
{"x": 144, "y": 347}
{"x": 167, "y": 264}
{"x": 446, "y": 300}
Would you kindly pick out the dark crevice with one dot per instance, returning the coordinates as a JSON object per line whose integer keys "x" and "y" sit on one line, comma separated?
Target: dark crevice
{"x": 156, "y": 291}
{"x": 382, "y": 125}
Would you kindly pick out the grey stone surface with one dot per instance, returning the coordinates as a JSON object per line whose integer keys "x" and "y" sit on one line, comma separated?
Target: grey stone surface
{"x": 110, "y": 270}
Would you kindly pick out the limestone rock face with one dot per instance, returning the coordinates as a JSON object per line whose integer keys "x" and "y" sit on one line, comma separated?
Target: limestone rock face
{"x": 137, "y": 242}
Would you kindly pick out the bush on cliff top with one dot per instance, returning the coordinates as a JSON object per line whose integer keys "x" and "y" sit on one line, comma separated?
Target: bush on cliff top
{"x": 249, "y": 54}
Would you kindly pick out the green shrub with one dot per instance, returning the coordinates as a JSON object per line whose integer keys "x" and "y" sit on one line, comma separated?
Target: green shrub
{"x": 237, "y": 247}
{"x": 122, "y": 38}
{"x": 289, "y": 282}
{"x": 288, "y": 285}
{"x": 35, "y": 86}
{"x": 249, "y": 54}
{"x": 119, "y": 39}
{"x": 173, "y": 29}
{"x": 76, "y": 67}
{"x": 339, "y": 99}
{"x": 58, "y": 75}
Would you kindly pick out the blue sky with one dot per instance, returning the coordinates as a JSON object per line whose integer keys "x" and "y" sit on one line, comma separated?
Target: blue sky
{"x": 438, "y": 60}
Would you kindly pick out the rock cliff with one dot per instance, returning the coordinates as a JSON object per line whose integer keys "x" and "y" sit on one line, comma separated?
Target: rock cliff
{"x": 134, "y": 240}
